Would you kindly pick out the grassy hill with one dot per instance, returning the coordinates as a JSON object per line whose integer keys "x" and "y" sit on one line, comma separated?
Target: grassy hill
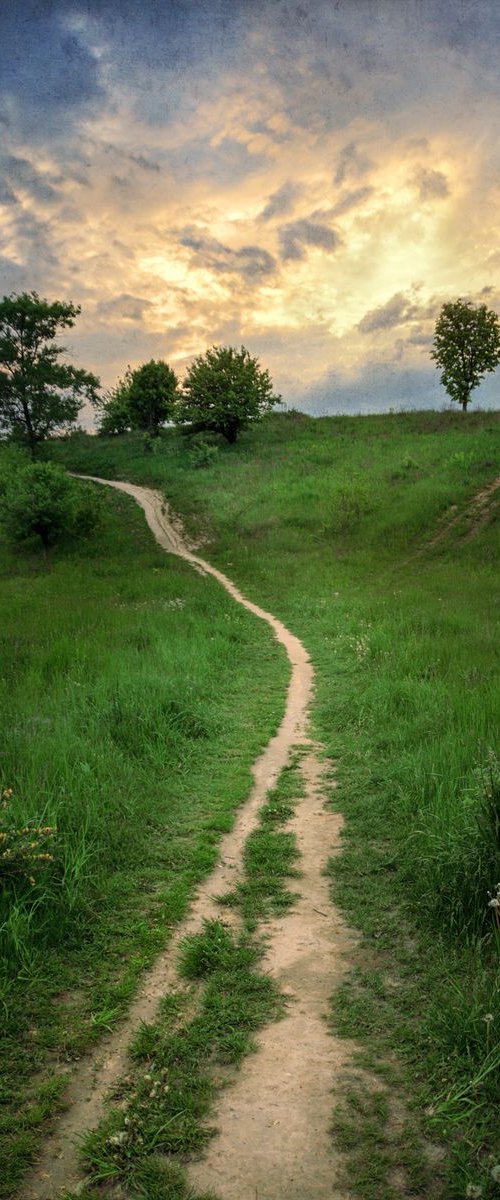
{"x": 376, "y": 540}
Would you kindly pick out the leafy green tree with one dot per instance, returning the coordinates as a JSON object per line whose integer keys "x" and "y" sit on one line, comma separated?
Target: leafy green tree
{"x": 114, "y": 413}
{"x": 40, "y": 504}
{"x": 466, "y": 347}
{"x": 149, "y": 394}
{"x": 38, "y": 392}
{"x": 224, "y": 390}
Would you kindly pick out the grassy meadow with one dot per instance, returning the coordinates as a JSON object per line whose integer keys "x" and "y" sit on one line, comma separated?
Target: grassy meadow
{"x": 339, "y": 526}
{"x": 135, "y": 697}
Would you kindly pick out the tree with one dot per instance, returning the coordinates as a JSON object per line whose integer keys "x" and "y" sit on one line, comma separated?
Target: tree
{"x": 38, "y": 392}
{"x": 466, "y": 347}
{"x": 40, "y": 504}
{"x": 114, "y": 414}
{"x": 224, "y": 390}
{"x": 148, "y": 394}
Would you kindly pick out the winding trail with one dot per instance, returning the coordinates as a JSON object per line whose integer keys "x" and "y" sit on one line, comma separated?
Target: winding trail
{"x": 274, "y": 1117}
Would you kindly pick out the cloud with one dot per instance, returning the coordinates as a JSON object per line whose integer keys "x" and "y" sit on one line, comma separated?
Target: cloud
{"x": 297, "y": 234}
{"x": 147, "y": 164}
{"x": 281, "y": 202}
{"x": 130, "y": 308}
{"x": 419, "y": 339}
{"x": 396, "y": 311}
{"x": 14, "y": 278}
{"x": 351, "y": 162}
{"x": 7, "y": 196}
{"x": 46, "y": 71}
{"x": 377, "y": 387}
{"x": 432, "y": 185}
{"x": 385, "y": 387}
{"x": 193, "y": 154}
{"x": 352, "y": 200}
{"x": 251, "y": 262}
{"x": 20, "y": 173}
{"x": 264, "y": 127}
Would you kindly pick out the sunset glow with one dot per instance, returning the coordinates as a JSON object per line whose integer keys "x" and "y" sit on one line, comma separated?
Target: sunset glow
{"x": 312, "y": 180}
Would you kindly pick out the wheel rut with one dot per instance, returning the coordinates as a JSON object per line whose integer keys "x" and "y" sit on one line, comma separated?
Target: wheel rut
{"x": 274, "y": 1116}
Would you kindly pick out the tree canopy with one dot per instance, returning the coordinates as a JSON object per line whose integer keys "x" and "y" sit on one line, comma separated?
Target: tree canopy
{"x": 149, "y": 395}
{"x": 466, "y": 347}
{"x": 224, "y": 390}
{"x": 38, "y": 392}
{"x": 113, "y": 410}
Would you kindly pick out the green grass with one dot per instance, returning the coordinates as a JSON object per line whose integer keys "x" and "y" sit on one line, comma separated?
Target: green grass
{"x": 164, "y": 1110}
{"x": 135, "y": 697}
{"x": 166, "y": 1103}
{"x": 327, "y": 522}
{"x": 270, "y": 855}
{"x": 200, "y": 1034}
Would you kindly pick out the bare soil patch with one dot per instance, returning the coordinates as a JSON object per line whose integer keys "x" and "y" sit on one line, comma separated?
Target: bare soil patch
{"x": 479, "y": 511}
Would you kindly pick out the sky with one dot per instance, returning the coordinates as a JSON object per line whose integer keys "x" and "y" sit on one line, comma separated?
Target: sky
{"x": 310, "y": 179}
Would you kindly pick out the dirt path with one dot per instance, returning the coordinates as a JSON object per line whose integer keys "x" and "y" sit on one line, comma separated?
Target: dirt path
{"x": 274, "y": 1119}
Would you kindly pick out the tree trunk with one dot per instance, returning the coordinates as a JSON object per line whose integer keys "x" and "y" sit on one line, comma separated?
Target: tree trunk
{"x": 231, "y": 431}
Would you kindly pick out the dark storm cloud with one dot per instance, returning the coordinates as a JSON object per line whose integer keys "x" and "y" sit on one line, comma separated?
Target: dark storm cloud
{"x": 251, "y": 262}
{"x": 46, "y": 71}
{"x": 298, "y": 234}
{"x": 281, "y": 202}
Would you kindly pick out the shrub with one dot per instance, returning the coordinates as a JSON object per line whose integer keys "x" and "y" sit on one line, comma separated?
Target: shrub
{"x": 202, "y": 450}
{"x": 40, "y": 504}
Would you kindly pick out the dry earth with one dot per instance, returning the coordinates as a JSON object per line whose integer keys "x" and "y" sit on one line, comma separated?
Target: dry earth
{"x": 274, "y": 1115}
{"x": 479, "y": 511}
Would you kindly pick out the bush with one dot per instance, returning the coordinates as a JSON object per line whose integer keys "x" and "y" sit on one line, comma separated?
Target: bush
{"x": 203, "y": 450}
{"x": 40, "y": 504}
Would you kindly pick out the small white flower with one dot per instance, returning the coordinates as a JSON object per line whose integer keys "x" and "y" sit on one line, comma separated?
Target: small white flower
{"x": 488, "y": 1017}
{"x": 473, "y": 1192}
{"x": 495, "y": 1173}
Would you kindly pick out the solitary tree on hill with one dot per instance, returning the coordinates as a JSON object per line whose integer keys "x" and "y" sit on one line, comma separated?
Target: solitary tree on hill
{"x": 38, "y": 392}
{"x": 224, "y": 390}
{"x": 466, "y": 347}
